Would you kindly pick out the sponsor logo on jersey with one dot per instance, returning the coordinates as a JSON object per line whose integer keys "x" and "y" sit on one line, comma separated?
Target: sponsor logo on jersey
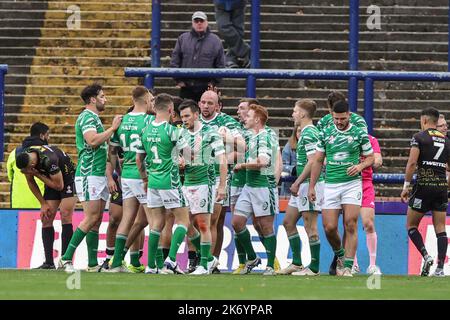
{"x": 340, "y": 156}
{"x": 350, "y": 139}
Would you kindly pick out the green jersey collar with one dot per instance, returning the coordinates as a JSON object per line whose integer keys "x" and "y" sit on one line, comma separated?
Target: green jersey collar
{"x": 349, "y": 127}
{"x": 208, "y": 121}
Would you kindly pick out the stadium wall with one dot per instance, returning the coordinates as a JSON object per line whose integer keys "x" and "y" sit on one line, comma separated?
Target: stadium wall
{"x": 21, "y": 243}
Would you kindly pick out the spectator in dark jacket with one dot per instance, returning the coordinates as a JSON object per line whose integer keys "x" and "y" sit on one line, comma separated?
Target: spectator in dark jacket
{"x": 198, "y": 48}
{"x": 230, "y": 19}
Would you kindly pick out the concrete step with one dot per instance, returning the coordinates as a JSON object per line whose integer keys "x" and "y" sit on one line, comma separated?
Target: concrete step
{"x": 76, "y": 52}
{"x": 85, "y": 61}
{"x": 299, "y": 9}
{"x": 335, "y": 35}
{"x": 78, "y": 42}
{"x": 60, "y": 80}
{"x": 72, "y": 90}
{"x": 181, "y": 25}
{"x": 331, "y": 3}
{"x": 86, "y": 5}
{"x": 68, "y": 33}
{"x": 89, "y": 24}
{"x": 421, "y": 46}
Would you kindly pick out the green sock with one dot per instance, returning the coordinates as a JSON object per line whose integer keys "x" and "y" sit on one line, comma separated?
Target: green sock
{"x": 294, "y": 241}
{"x": 242, "y": 256}
{"x": 314, "y": 246}
{"x": 205, "y": 251}
{"x": 177, "y": 239}
{"x": 77, "y": 237}
{"x": 119, "y": 245}
{"x": 134, "y": 259}
{"x": 195, "y": 240}
{"x": 92, "y": 247}
{"x": 261, "y": 238}
{"x": 348, "y": 263}
{"x": 159, "y": 258}
{"x": 339, "y": 253}
{"x": 153, "y": 241}
{"x": 271, "y": 246}
{"x": 245, "y": 240}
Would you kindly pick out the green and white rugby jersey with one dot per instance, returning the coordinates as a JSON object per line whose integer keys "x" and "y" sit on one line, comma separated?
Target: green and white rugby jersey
{"x": 343, "y": 150}
{"x": 203, "y": 146}
{"x": 355, "y": 119}
{"x": 223, "y": 120}
{"x": 261, "y": 145}
{"x": 91, "y": 161}
{"x": 128, "y": 136}
{"x": 162, "y": 143}
{"x": 306, "y": 146}
{"x": 239, "y": 177}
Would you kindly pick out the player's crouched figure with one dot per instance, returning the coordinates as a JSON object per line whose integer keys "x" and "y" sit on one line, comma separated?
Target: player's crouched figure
{"x": 430, "y": 152}
{"x": 55, "y": 168}
{"x": 342, "y": 144}
{"x": 259, "y": 197}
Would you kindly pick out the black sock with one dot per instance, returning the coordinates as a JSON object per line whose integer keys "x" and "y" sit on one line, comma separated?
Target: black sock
{"x": 109, "y": 252}
{"x": 442, "y": 243}
{"x": 417, "y": 239}
{"x": 165, "y": 252}
{"x": 192, "y": 255}
{"x": 66, "y": 236}
{"x": 141, "y": 253}
{"x": 48, "y": 237}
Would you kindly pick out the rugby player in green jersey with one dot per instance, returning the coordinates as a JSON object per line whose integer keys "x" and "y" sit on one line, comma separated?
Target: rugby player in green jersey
{"x": 205, "y": 148}
{"x": 238, "y": 182}
{"x": 298, "y": 205}
{"x": 90, "y": 178}
{"x": 134, "y": 193}
{"x": 327, "y": 120}
{"x": 342, "y": 144}
{"x": 259, "y": 197}
{"x": 162, "y": 144}
{"x": 227, "y": 127}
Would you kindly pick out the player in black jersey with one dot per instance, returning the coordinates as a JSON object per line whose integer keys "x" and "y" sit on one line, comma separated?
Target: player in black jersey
{"x": 55, "y": 168}
{"x": 430, "y": 152}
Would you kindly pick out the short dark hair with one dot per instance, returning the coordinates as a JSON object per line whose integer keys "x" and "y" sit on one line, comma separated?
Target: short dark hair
{"x": 191, "y": 104}
{"x": 308, "y": 105}
{"x": 22, "y": 160}
{"x": 38, "y": 128}
{"x": 176, "y": 104}
{"x": 340, "y": 107}
{"x": 250, "y": 101}
{"x": 89, "y": 92}
{"x": 334, "y": 97}
{"x": 162, "y": 102}
{"x": 431, "y": 113}
{"x": 139, "y": 92}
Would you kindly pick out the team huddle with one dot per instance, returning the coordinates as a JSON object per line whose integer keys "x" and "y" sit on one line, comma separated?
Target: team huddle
{"x": 176, "y": 165}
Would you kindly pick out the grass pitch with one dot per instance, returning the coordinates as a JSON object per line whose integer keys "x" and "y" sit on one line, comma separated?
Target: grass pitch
{"x": 50, "y": 284}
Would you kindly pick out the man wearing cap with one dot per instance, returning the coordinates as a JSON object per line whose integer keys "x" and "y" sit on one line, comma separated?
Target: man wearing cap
{"x": 198, "y": 48}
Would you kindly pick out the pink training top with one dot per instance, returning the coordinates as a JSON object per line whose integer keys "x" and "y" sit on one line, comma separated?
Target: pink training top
{"x": 368, "y": 172}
